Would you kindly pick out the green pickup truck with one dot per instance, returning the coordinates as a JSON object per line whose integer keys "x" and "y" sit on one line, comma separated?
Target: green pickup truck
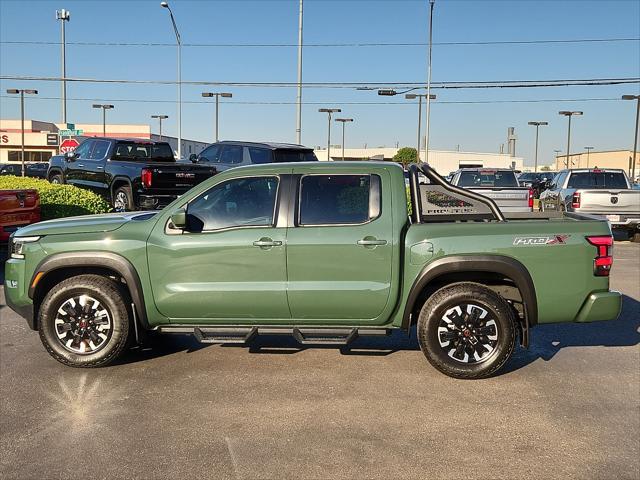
{"x": 324, "y": 251}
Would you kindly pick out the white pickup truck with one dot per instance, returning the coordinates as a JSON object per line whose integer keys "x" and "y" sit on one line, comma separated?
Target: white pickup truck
{"x": 606, "y": 193}
{"x": 499, "y": 184}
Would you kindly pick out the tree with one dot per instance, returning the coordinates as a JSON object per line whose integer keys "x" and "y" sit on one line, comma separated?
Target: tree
{"x": 545, "y": 169}
{"x": 406, "y": 155}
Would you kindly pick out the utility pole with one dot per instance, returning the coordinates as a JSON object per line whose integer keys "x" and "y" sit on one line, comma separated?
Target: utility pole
{"x": 329, "y": 111}
{"x": 217, "y": 95}
{"x": 412, "y": 96}
{"x": 299, "y": 96}
{"x": 588, "y": 149}
{"x": 179, "y": 43}
{"x": 64, "y": 16}
{"x": 160, "y": 118}
{"x": 343, "y": 121}
{"x": 635, "y": 137}
{"x": 537, "y": 125}
{"x": 14, "y": 91}
{"x": 569, "y": 114}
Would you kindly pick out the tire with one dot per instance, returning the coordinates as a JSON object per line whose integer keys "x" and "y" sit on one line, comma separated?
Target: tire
{"x": 634, "y": 237}
{"x": 55, "y": 179}
{"x": 482, "y": 354}
{"x": 123, "y": 199}
{"x": 94, "y": 340}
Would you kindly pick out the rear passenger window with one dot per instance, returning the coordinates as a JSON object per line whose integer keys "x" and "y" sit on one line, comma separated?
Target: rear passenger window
{"x": 231, "y": 154}
{"x": 338, "y": 199}
{"x": 260, "y": 155}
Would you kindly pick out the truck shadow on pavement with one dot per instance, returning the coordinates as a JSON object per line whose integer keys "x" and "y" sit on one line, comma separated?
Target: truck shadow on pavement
{"x": 546, "y": 341}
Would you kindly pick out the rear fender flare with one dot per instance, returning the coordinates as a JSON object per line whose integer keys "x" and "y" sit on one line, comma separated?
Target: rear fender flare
{"x": 115, "y": 181}
{"x": 501, "y": 264}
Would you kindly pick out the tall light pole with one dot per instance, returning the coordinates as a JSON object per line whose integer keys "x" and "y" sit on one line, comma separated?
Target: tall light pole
{"x": 329, "y": 111}
{"x": 537, "y": 125}
{"x": 343, "y": 121}
{"x": 588, "y": 149}
{"x": 104, "y": 116}
{"x": 217, "y": 95}
{"x": 412, "y": 96}
{"x": 14, "y": 91}
{"x": 299, "y": 96}
{"x": 160, "y": 118}
{"x": 179, "y": 43}
{"x": 635, "y": 137}
{"x": 569, "y": 114}
{"x": 64, "y": 16}
{"x": 426, "y": 143}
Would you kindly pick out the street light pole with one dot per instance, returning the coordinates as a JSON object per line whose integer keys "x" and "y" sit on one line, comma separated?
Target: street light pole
{"x": 635, "y": 137}
{"x": 179, "y": 43}
{"x": 160, "y": 118}
{"x": 329, "y": 111}
{"x": 343, "y": 121}
{"x": 64, "y": 16}
{"x": 426, "y": 143}
{"x": 588, "y": 149}
{"x": 537, "y": 125}
{"x": 412, "y": 96}
{"x": 104, "y": 117}
{"x": 217, "y": 95}
{"x": 569, "y": 114}
{"x": 14, "y": 91}
{"x": 299, "y": 96}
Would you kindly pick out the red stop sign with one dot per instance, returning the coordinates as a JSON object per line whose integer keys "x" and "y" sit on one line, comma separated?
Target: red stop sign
{"x": 68, "y": 145}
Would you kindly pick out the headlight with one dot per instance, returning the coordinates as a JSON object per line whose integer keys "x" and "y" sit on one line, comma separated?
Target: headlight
{"x": 18, "y": 243}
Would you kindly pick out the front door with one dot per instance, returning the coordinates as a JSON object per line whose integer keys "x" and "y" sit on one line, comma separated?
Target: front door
{"x": 339, "y": 253}
{"x": 230, "y": 263}
{"x": 75, "y": 169}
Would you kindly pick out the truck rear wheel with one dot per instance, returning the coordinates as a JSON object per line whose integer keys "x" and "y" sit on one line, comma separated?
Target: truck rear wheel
{"x": 123, "y": 199}
{"x": 84, "y": 321}
{"x": 466, "y": 330}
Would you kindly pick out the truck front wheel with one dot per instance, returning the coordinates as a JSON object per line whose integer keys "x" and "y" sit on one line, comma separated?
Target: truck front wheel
{"x": 466, "y": 330}
{"x": 84, "y": 321}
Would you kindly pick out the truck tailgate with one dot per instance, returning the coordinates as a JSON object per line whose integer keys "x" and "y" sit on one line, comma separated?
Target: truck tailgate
{"x": 609, "y": 201}
{"x": 18, "y": 208}
{"x": 177, "y": 177}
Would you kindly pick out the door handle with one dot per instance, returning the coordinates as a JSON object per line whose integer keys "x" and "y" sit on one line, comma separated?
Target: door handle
{"x": 100, "y": 167}
{"x": 371, "y": 242}
{"x": 81, "y": 165}
{"x": 267, "y": 242}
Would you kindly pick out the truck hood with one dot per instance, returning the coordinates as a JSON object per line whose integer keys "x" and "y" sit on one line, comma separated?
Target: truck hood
{"x": 85, "y": 224}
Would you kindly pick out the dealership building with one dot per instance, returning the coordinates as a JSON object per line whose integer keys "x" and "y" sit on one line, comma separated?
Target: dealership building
{"x": 622, "y": 159}
{"x": 43, "y": 139}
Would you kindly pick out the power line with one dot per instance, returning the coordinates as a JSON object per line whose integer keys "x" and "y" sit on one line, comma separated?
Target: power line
{"x": 235, "y": 102}
{"x": 356, "y": 85}
{"x": 325, "y": 45}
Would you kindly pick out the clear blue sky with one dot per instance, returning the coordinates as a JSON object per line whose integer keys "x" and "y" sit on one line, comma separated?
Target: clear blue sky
{"x": 475, "y": 127}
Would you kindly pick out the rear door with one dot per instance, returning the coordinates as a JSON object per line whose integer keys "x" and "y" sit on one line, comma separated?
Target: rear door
{"x": 339, "y": 249}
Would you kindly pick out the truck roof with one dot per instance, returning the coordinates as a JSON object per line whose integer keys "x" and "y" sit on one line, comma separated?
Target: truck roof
{"x": 592, "y": 170}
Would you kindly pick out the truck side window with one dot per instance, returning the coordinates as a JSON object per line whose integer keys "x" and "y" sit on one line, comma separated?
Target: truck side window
{"x": 84, "y": 149}
{"x": 100, "y": 149}
{"x": 242, "y": 202}
{"x": 210, "y": 154}
{"x": 338, "y": 199}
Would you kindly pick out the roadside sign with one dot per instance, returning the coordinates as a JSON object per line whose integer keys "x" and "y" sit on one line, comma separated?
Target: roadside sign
{"x": 52, "y": 139}
{"x": 71, "y": 133}
{"x": 71, "y": 126}
{"x": 68, "y": 145}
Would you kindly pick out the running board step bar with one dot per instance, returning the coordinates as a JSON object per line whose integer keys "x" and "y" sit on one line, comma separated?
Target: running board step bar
{"x": 303, "y": 335}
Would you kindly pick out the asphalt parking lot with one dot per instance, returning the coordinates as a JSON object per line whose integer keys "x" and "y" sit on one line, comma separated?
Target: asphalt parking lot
{"x": 568, "y": 407}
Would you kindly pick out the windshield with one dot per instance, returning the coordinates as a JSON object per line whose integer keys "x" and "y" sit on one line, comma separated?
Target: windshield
{"x": 295, "y": 156}
{"x": 488, "y": 178}
{"x": 143, "y": 151}
{"x": 597, "y": 180}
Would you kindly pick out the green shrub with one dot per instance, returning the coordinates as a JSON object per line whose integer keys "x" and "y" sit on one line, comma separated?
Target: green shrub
{"x": 58, "y": 201}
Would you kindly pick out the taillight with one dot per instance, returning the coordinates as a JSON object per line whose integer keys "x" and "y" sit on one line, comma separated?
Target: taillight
{"x": 147, "y": 176}
{"x": 575, "y": 200}
{"x": 531, "y": 198}
{"x": 604, "y": 258}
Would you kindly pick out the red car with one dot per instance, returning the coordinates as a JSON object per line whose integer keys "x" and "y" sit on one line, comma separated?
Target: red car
{"x": 17, "y": 209}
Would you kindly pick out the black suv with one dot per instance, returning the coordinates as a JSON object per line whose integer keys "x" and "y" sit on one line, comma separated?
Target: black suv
{"x": 230, "y": 154}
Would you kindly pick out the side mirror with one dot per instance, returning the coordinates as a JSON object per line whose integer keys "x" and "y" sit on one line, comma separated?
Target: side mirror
{"x": 193, "y": 157}
{"x": 70, "y": 156}
{"x": 179, "y": 218}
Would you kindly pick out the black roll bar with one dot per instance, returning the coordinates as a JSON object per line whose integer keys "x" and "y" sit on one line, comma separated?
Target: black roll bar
{"x": 433, "y": 176}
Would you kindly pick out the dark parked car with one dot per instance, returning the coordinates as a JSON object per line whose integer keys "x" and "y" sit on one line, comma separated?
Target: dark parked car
{"x": 536, "y": 181}
{"x": 131, "y": 174}
{"x": 38, "y": 170}
{"x": 230, "y": 154}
